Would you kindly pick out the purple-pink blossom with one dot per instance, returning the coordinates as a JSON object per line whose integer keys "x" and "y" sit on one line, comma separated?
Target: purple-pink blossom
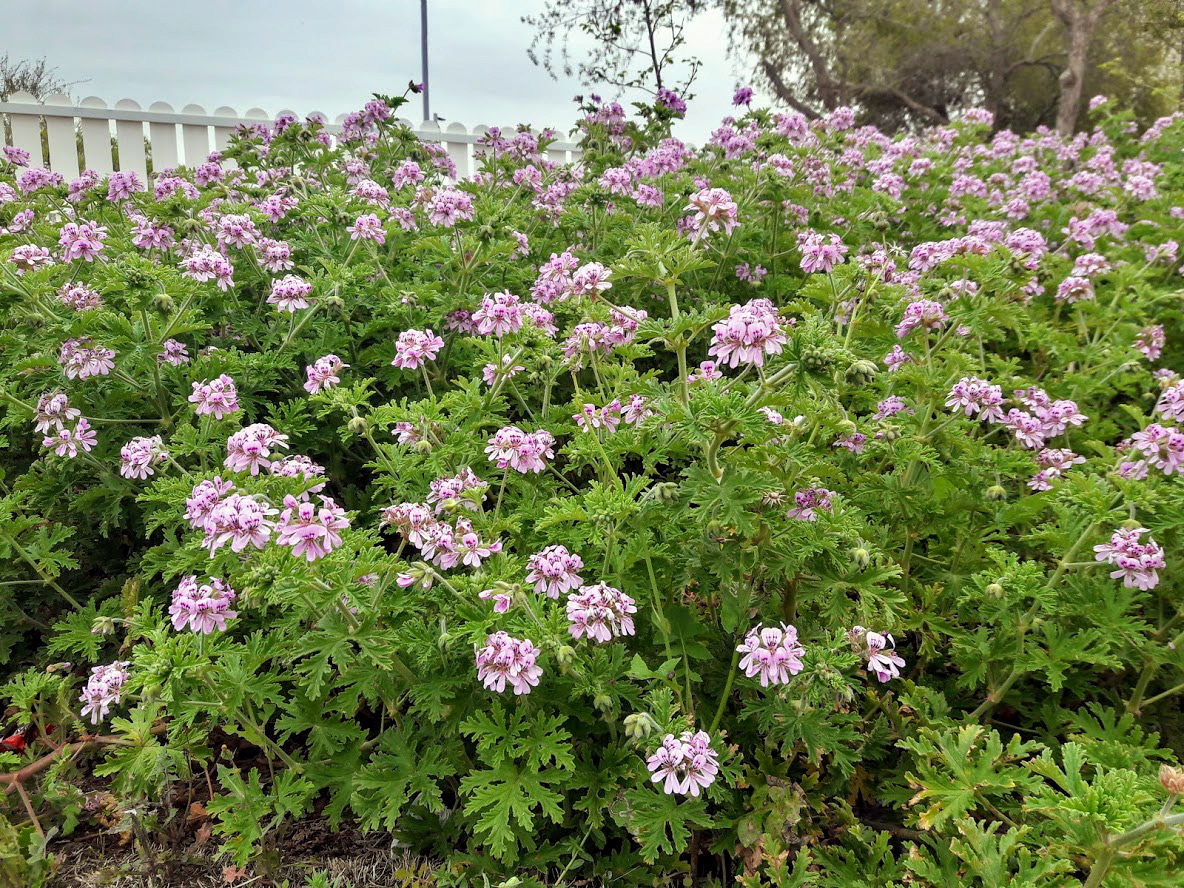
{"x": 202, "y": 608}
{"x": 312, "y": 532}
{"x": 684, "y": 765}
{"x": 772, "y": 653}
{"x": 600, "y": 612}
{"x": 508, "y": 660}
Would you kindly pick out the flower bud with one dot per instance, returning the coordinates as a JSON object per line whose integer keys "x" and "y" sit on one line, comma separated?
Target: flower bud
{"x": 847, "y": 427}
{"x": 602, "y": 701}
{"x": 1172, "y": 779}
{"x": 165, "y": 302}
{"x": 1131, "y": 524}
{"x": 862, "y": 371}
{"x": 665, "y": 491}
{"x": 861, "y": 557}
{"x": 423, "y": 446}
{"x": 995, "y": 590}
{"x": 358, "y": 425}
{"x": 639, "y": 725}
{"x": 889, "y": 433}
{"x": 996, "y": 492}
{"x": 334, "y": 301}
{"x": 565, "y": 655}
{"x": 102, "y": 626}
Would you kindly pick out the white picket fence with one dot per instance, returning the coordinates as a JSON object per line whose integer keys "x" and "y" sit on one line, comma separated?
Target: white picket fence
{"x": 176, "y": 137}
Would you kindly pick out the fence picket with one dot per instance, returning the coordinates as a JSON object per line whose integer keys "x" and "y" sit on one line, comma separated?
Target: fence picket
{"x": 130, "y": 136}
{"x": 195, "y": 138}
{"x": 458, "y": 149}
{"x": 96, "y": 138}
{"x": 164, "y": 140}
{"x": 62, "y": 137}
{"x": 26, "y": 130}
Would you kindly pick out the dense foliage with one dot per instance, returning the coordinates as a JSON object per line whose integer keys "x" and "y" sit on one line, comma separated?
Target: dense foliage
{"x": 801, "y": 509}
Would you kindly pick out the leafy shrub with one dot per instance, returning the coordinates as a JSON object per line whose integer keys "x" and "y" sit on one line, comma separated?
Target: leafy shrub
{"x": 797, "y": 509}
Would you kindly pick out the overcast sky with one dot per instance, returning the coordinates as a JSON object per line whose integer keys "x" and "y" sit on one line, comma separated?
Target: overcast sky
{"x": 309, "y": 55}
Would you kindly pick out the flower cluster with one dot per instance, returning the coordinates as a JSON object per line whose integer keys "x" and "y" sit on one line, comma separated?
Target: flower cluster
{"x": 751, "y": 332}
{"x": 554, "y": 571}
{"x": 600, "y": 612}
{"x": 523, "y": 452}
{"x": 202, "y": 609}
{"x": 104, "y": 689}
{"x": 684, "y": 765}
{"x": 1136, "y": 562}
{"x": 138, "y": 456}
{"x": 772, "y": 653}
{"x": 311, "y": 532}
{"x": 508, "y": 660}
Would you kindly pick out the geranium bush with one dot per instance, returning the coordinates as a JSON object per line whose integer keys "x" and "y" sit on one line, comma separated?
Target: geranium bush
{"x": 801, "y": 509}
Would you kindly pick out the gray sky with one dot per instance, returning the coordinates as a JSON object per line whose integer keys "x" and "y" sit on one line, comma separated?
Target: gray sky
{"x": 308, "y": 55}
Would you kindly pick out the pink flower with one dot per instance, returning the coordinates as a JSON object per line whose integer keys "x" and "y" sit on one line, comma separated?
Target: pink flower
{"x": 201, "y": 501}
{"x": 79, "y": 297}
{"x": 311, "y": 532}
{"x": 1159, "y": 447}
{"x": 600, "y": 612}
{"x": 81, "y": 240}
{"x": 513, "y": 448}
{"x": 66, "y": 442}
{"x": 1053, "y": 464}
{"x": 463, "y": 490}
{"x": 773, "y": 654}
{"x": 896, "y": 358}
{"x": 204, "y": 608}
{"x": 506, "y": 659}
{"x": 1171, "y": 403}
{"x": 591, "y": 280}
{"x": 684, "y": 765}
{"x": 250, "y": 448}
{"x": 973, "y": 395}
{"x": 923, "y": 313}
{"x": 54, "y": 411}
{"x": 81, "y": 359}
{"x": 707, "y": 372}
{"x": 416, "y": 347}
{"x": 1150, "y": 342}
{"x": 820, "y": 252}
{"x": 554, "y": 571}
{"x": 104, "y": 688}
{"x": 491, "y": 373}
{"x": 1137, "y": 563}
{"x": 809, "y": 501}
{"x": 322, "y": 374}
{"x": 215, "y": 397}
{"x": 139, "y": 455}
{"x": 750, "y": 332}
{"x": 207, "y": 264}
{"x": 449, "y": 206}
{"x": 367, "y": 227}
{"x": 498, "y": 315}
{"x": 714, "y": 210}
{"x": 236, "y": 231}
{"x": 880, "y": 651}
{"x": 289, "y": 293}
{"x": 238, "y": 520}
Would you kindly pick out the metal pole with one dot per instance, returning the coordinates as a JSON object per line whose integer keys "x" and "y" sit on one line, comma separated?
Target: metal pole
{"x": 423, "y": 46}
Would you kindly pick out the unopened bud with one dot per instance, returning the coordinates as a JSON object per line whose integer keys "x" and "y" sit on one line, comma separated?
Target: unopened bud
{"x": 861, "y": 556}
{"x": 334, "y": 301}
{"x": 996, "y": 492}
{"x": 1131, "y": 524}
{"x": 602, "y": 701}
{"x": 358, "y": 425}
{"x": 665, "y": 491}
{"x": 565, "y": 654}
{"x": 423, "y": 445}
{"x": 995, "y": 590}
{"x": 1172, "y": 779}
{"x": 165, "y": 302}
{"x": 847, "y": 427}
{"x": 862, "y": 371}
{"x": 102, "y": 626}
{"x": 639, "y": 725}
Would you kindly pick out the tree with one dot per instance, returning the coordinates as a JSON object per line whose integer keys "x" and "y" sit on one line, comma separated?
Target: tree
{"x": 901, "y": 62}
{"x": 1081, "y": 19}
{"x": 636, "y": 42}
{"x": 30, "y": 75}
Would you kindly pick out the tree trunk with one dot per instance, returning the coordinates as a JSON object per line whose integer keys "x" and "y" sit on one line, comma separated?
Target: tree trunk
{"x": 1080, "y": 19}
